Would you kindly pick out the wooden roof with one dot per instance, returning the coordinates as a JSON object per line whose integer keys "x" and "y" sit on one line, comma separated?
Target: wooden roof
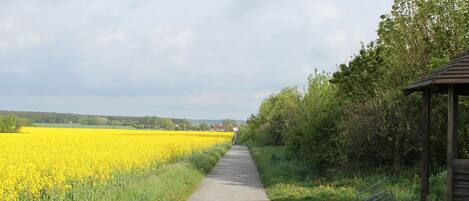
{"x": 455, "y": 73}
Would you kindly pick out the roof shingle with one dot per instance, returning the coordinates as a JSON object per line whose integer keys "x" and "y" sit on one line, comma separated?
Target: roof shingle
{"x": 456, "y": 73}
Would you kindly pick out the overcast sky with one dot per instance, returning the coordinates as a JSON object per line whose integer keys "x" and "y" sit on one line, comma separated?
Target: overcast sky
{"x": 207, "y": 59}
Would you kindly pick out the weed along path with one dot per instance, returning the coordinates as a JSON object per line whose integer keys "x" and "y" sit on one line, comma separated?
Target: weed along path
{"x": 234, "y": 178}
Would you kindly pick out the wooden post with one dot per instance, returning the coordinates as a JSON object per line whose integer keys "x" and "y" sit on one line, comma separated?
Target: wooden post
{"x": 425, "y": 134}
{"x": 452, "y": 151}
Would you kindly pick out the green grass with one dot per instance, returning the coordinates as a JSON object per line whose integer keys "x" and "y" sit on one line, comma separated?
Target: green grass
{"x": 174, "y": 181}
{"x": 286, "y": 179}
{"x": 73, "y": 125}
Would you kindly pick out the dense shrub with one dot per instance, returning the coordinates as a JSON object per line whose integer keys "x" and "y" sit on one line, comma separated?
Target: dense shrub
{"x": 276, "y": 117}
{"x": 305, "y": 123}
{"x": 360, "y": 115}
{"x": 11, "y": 124}
{"x": 315, "y": 137}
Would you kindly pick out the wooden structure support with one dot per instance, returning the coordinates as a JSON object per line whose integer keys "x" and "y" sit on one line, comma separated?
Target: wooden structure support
{"x": 451, "y": 79}
{"x": 452, "y": 152}
{"x": 425, "y": 134}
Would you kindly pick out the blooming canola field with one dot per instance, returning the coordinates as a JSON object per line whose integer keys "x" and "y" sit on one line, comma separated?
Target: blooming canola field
{"x": 39, "y": 160}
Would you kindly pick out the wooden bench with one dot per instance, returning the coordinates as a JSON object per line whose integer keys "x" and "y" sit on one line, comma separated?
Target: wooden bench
{"x": 460, "y": 179}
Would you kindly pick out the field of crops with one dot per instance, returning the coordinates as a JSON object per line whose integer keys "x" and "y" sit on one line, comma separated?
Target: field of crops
{"x": 39, "y": 161}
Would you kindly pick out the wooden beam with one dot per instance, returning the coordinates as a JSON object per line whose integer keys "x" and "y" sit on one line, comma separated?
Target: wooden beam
{"x": 425, "y": 134}
{"x": 452, "y": 151}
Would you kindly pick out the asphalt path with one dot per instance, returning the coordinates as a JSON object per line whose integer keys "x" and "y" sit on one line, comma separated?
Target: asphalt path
{"x": 234, "y": 178}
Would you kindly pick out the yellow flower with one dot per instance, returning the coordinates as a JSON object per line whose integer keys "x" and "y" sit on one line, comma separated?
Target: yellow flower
{"x": 42, "y": 159}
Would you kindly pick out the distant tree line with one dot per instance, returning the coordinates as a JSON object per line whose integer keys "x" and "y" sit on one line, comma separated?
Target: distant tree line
{"x": 359, "y": 115}
{"x": 146, "y": 122}
{"x": 11, "y": 124}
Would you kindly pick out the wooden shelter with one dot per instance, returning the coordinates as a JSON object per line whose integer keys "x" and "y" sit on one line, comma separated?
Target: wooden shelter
{"x": 451, "y": 79}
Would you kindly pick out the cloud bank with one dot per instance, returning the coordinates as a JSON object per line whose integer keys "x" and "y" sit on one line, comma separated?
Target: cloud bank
{"x": 188, "y": 59}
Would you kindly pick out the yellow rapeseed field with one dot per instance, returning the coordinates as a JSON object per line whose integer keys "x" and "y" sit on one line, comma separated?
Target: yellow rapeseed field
{"x": 46, "y": 159}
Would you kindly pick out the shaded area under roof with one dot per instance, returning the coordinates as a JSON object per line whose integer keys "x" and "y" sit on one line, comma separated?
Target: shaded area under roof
{"x": 455, "y": 73}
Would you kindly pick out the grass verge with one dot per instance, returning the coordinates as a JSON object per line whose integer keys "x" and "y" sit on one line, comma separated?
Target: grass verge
{"x": 174, "y": 181}
{"x": 286, "y": 179}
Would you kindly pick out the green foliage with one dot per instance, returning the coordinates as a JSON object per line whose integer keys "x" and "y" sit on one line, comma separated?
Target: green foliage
{"x": 315, "y": 137}
{"x": 286, "y": 178}
{"x": 306, "y": 124}
{"x": 62, "y": 125}
{"x": 203, "y": 127}
{"x": 93, "y": 120}
{"x": 78, "y": 120}
{"x": 229, "y": 124}
{"x": 11, "y": 124}
{"x": 205, "y": 160}
{"x": 359, "y": 80}
{"x": 380, "y": 124}
{"x": 363, "y": 118}
{"x": 277, "y": 115}
{"x": 168, "y": 124}
{"x": 183, "y": 124}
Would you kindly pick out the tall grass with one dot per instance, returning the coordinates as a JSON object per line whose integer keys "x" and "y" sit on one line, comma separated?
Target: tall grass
{"x": 286, "y": 179}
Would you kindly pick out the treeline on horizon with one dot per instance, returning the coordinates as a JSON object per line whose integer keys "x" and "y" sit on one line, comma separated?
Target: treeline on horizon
{"x": 146, "y": 122}
{"x": 359, "y": 116}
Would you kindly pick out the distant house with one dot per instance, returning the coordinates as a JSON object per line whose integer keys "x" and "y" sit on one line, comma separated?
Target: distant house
{"x": 218, "y": 127}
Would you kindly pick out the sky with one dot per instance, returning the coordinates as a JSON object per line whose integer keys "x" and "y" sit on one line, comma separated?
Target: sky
{"x": 204, "y": 59}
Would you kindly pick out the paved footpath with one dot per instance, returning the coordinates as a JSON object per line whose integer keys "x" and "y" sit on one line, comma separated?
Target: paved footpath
{"x": 234, "y": 178}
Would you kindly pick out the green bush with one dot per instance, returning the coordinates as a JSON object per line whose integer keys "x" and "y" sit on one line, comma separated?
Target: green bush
{"x": 315, "y": 137}
{"x": 360, "y": 115}
{"x": 285, "y": 178}
{"x": 306, "y": 124}
{"x": 277, "y": 115}
{"x": 11, "y": 124}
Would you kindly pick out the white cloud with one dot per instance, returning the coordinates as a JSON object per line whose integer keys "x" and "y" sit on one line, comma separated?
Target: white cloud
{"x": 117, "y": 36}
{"x": 14, "y": 70}
{"x": 181, "y": 58}
{"x": 321, "y": 11}
{"x": 172, "y": 38}
{"x": 4, "y": 45}
{"x": 14, "y": 37}
{"x": 27, "y": 40}
{"x": 22, "y": 70}
{"x": 177, "y": 59}
{"x": 336, "y": 40}
{"x": 7, "y": 25}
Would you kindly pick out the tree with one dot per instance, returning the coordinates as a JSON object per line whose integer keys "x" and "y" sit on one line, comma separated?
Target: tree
{"x": 11, "y": 124}
{"x": 184, "y": 124}
{"x": 115, "y": 122}
{"x": 204, "y": 127}
{"x": 229, "y": 124}
{"x": 2, "y": 126}
{"x": 168, "y": 124}
{"x": 379, "y": 122}
{"x": 276, "y": 116}
{"x": 100, "y": 120}
{"x": 314, "y": 136}
{"x": 359, "y": 80}
{"x": 362, "y": 111}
